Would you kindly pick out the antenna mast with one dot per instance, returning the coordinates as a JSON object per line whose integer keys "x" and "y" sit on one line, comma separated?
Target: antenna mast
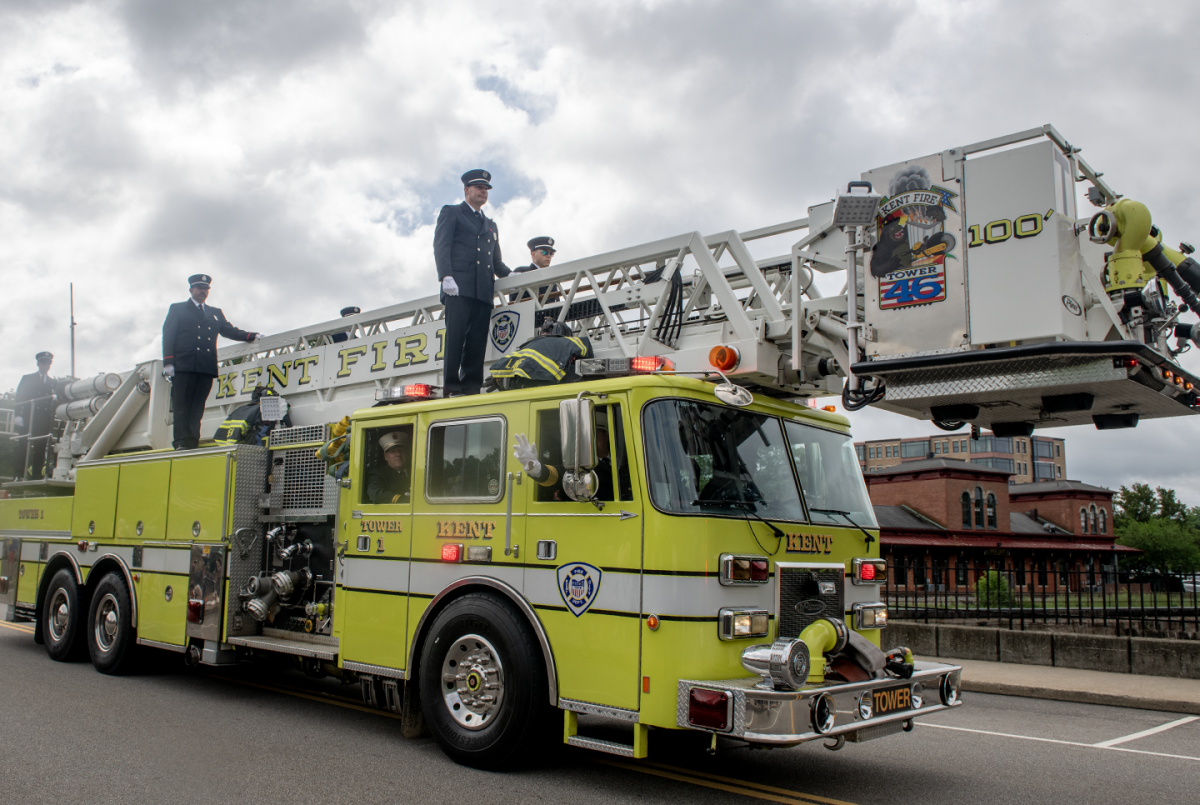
{"x": 72, "y": 331}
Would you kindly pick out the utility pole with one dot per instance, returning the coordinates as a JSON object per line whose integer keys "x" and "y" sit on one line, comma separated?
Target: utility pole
{"x": 72, "y": 331}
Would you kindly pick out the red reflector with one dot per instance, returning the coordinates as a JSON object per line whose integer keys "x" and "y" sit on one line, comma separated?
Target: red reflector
{"x": 1127, "y": 363}
{"x": 418, "y": 390}
{"x": 867, "y": 571}
{"x": 195, "y": 610}
{"x": 760, "y": 570}
{"x": 645, "y": 684}
{"x": 708, "y": 709}
{"x": 724, "y": 358}
{"x": 452, "y": 552}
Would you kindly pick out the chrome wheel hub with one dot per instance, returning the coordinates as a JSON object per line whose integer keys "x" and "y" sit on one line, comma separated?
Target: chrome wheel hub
{"x": 60, "y": 615}
{"x": 107, "y": 616}
{"x": 472, "y": 682}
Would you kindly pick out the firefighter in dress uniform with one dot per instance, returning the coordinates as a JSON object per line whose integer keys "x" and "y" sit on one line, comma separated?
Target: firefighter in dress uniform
{"x": 541, "y": 252}
{"x": 33, "y": 416}
{"x": 190, "y": 357}
{"x": 338, "y": 338}
{"x": 543, "y": 360}
{"x": 466, "y": 249}
{"x": 391, "y": 481}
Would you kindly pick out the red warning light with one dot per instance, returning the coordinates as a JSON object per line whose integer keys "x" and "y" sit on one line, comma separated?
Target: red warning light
{"x": 452, "y": 552}
{"x": 418, "y": 390}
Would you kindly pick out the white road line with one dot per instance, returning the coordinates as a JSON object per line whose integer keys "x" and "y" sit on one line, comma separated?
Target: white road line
{"x": 1064, "y": 743}
{"x": 1144, "y": 733}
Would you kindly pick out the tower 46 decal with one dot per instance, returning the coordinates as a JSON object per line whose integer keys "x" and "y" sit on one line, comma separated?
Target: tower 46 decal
{"x": 914, "y": 286}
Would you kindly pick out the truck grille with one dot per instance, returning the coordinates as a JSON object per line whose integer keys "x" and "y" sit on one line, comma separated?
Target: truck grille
{"x": 800, "y": 598}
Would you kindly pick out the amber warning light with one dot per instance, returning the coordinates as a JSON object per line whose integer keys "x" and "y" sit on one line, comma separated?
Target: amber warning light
{"x": 725, "y": 358}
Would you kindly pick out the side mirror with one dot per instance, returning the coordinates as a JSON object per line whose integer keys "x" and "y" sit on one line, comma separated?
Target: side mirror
{"x": 577, "y": 424}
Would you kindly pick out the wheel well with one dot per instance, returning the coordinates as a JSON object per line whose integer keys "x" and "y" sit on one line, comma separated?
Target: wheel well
{"x": 477, "y": 585}
{"x": 57, "y": 563}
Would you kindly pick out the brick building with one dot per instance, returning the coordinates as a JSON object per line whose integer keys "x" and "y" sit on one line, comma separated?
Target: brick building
{"x": 943, "y": 520}
{"x": 1025, "y": 459}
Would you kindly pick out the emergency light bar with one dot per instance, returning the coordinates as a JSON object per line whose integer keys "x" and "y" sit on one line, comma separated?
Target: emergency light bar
{"x": 613, "y": 367}
{"x": 408, "y": 393}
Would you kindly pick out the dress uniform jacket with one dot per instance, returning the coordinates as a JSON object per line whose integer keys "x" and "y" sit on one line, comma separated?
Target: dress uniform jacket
{"x": 38, "y": 416}
{"x": 466, "y": 246}
{"x": 190, "y": 337}
{"x": 544, "y": 360}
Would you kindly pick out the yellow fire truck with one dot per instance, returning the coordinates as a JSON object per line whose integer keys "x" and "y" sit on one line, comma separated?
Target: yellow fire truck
{"x": 698, "y": 551}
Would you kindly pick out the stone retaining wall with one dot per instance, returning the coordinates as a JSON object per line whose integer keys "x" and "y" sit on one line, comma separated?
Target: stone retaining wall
{"x": 1137, "y": 655}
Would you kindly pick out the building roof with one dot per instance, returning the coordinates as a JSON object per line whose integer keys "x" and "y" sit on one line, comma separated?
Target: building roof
{"x": 1044, "y": 487}
{"x": 1022, "y": 523}
{"x": 903, "y": 517}
{"x": 927, "y": 464}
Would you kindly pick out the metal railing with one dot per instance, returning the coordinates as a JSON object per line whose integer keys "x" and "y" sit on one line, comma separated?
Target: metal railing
{"x": 1043, "y": 592}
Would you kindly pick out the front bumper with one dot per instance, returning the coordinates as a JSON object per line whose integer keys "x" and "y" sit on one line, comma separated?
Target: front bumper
{"x": 784, "y": 717}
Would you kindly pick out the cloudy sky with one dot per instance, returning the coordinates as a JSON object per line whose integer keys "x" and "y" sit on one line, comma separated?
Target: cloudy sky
{"x": 299, "y": 151}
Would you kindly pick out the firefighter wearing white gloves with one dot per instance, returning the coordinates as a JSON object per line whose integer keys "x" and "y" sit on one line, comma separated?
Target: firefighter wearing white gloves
{"x": 525, "y": 452}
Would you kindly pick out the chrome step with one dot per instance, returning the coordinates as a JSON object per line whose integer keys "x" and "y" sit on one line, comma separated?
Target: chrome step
{"x": 601, "y": 745}
{"x": 285, "y": 645}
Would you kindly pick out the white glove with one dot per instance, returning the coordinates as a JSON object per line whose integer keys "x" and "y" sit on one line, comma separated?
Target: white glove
{"x": 19, "y": 421}
{"x": 450, "y": 286}
{"x": 526, "y": 452}
{"x": 169, "y": 371}
{"x": 255, "y": 336}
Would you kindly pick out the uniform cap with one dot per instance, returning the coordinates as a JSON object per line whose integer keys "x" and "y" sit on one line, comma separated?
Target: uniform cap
{"x": 349, "y": 311}
{"x": 43, "y": 356}
{"x": 394, "y": 439}
{"x": 478, "y": 176}
{"x": 202, "y": 280}
{"x": 543, "y": 242}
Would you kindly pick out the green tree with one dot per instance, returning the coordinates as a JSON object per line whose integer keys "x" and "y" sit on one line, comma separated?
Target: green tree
{"x": 1169, "y": 505}
{"x": 1167, "y": 544}
{"x": 1134, "y": 504}
{"x": 992, "y": 589}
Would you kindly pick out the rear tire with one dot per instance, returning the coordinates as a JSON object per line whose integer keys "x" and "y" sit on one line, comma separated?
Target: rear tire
{"x": 110, "y": 636}
{"x": 62, "y": 616}
{"x": 483, "y": 684}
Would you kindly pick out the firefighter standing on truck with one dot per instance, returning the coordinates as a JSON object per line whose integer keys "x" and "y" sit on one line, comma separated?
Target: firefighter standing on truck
{"x": 190, "y": 357}
{"x": 391, "y": 481}
{"x": 466, "y": 249}
{"x": 543, "y": 360}
{"x": 34, "y": 417}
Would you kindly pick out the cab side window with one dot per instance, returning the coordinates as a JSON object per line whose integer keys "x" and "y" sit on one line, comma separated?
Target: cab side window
{"x": 466, "y": 460}
{"x": 612, "y": 467}
{"x": 387, "y": 465}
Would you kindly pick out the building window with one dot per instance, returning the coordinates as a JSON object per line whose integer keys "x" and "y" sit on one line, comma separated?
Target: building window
{"x": 1092, "y": 518}
{"x": 1103, "y": 521}
{"x": 1043, "y": 471}
{"x": 1058, "y": 471}
{"x": 1041, "y": 572}
{"x": 858, "y": 449}
{"x": 1042, "y": 449}
{"x": 991, "y": 510}
{"x": 1020, "y": 568}
{"x": 1058, "y": 451}
{"x": 978, "y": 507}
{"x": 1083, "y": 527}
{"x": 955, "y": 445}
{"x": 960, "y": 564}
{"x": 887, "y": 451}
{"x": 966, "y": 509}
{"x": 914, "y": 449}
{"x": 937, "y": 448}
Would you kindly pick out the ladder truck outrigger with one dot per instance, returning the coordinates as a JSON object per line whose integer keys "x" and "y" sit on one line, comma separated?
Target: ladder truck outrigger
{"x": 708, "y": 558}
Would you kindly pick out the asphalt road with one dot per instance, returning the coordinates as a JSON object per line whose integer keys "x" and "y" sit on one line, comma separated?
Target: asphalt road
{"x": 260, "y": 735}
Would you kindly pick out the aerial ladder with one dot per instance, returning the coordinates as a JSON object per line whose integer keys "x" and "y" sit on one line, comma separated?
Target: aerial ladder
{"x": 973, "y": 293}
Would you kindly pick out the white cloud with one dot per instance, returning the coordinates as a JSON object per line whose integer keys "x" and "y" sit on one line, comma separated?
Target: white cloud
{"x": 299, "y": 152}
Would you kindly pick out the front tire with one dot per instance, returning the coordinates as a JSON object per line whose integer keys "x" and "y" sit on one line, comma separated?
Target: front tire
{"x": 483, "y": 683}
{"x": 110, "y": 638}
{"x": 61, "y": 618}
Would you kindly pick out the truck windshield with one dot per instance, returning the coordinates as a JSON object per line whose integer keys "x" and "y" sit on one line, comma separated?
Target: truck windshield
{"x": 827, "y": 467}
{"x": 712, "y": 459}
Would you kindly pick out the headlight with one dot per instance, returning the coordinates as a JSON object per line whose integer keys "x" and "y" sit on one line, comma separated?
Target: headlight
{"x": 866, "y": 705}
{"x": 950, "y": 688}
{"x": 870, "y": 616}
{"x": 918, "y": 696}
{"x": 824, "y": 714}
{"x": 783, "y": 665}
{"x": 739, "y": 623}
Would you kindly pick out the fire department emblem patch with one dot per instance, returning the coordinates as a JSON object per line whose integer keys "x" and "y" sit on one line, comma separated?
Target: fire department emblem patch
{"x": 504, "y": 329}
{"x": 578, "y": 583}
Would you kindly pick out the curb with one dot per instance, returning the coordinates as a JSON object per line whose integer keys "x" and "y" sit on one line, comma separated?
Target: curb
{"x": 1081, "y": 696}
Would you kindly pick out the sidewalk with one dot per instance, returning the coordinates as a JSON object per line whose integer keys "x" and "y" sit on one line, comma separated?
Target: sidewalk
{"x": 1071, "y": 685}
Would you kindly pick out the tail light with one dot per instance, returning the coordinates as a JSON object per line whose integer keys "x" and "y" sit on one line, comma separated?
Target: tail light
{"x": 869, "y": 571}
{"x": 452, "y": 552}
{"x": 709, "y": 709}
{"x": 739, "y": 569}
{"x": 1125, "y": 363}
{"x": 195, "y": 610}
{"x": 725, "y": 358}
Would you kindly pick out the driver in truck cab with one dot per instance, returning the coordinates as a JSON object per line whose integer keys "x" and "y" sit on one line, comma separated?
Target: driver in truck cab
{"x": 391, "y": 481}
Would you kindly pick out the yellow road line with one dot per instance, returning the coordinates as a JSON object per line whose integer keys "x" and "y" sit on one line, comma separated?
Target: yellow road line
{"x": 305, "y": 695}
{"x": 741, "y": 787}
{"x": 17, "y": 627}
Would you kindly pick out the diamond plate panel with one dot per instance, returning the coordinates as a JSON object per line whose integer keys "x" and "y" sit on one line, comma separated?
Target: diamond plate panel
{"x": 298, "y": 435}
{"x": 1034, "y": 373}
{"x": 250, "y": 474}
